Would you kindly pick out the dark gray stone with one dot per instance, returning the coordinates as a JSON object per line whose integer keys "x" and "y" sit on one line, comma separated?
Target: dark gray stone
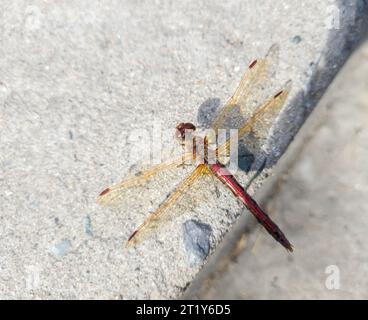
{"x": 296, "y": 39}
{"x": 61, "y": 248}
{"x": 197, "y": 241}
{"x": 88, "y": 226}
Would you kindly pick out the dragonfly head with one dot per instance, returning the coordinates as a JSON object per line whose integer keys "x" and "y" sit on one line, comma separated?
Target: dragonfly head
{"x": 183, "y": 130}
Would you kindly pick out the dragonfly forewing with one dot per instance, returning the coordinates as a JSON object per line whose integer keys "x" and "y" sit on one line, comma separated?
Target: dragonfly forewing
{"x": 249, "y": 92}
{"x": 115, "y": 194}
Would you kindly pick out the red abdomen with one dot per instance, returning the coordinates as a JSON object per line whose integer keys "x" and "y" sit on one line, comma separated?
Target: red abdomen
{"x": 229, "y": 180}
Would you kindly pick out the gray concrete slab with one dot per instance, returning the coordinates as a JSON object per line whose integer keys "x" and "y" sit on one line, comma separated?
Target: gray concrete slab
{"x": 77, "y": 77}
{"x": 319, "y": 194}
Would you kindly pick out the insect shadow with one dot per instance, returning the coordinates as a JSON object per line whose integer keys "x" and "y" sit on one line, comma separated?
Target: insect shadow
{"x": 207, "y": 113}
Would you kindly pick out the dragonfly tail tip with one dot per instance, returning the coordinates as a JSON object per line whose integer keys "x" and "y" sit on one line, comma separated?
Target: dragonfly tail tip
{"x": 289, "y": 248}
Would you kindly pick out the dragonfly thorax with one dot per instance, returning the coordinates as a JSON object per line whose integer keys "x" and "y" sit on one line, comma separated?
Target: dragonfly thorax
{"x": 201, "y": 143}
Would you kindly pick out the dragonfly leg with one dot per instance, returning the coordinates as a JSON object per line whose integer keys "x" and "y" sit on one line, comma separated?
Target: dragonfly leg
{"x": 258, "y": 172}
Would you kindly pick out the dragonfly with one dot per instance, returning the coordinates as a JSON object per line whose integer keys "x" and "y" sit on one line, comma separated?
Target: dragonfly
{"x": 243, "y": 112}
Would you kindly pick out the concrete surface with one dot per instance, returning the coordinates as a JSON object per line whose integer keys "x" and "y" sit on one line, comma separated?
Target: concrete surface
{"x": 319, "y": 193}
{"x": 77, "y": 77}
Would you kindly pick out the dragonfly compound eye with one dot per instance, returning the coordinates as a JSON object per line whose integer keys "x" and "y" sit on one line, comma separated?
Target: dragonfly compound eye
{"x": 183, "y": 128}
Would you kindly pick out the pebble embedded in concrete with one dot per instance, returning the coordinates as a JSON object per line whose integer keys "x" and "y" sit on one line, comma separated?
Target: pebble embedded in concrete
{"x": 88, "y": 226}
{"x": 297, "y": 39}
{"x": 197, "y": 241}
{"x": 61, "y": 249}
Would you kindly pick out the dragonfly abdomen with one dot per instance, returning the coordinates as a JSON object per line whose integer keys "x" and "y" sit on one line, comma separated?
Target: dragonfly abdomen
{"x": 229, "y": 180}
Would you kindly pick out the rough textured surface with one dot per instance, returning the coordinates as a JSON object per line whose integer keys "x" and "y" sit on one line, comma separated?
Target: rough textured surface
{"x": 197, "y": 241}
{"x": 78, "y": 77}
{"x": 319, "y": 195}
